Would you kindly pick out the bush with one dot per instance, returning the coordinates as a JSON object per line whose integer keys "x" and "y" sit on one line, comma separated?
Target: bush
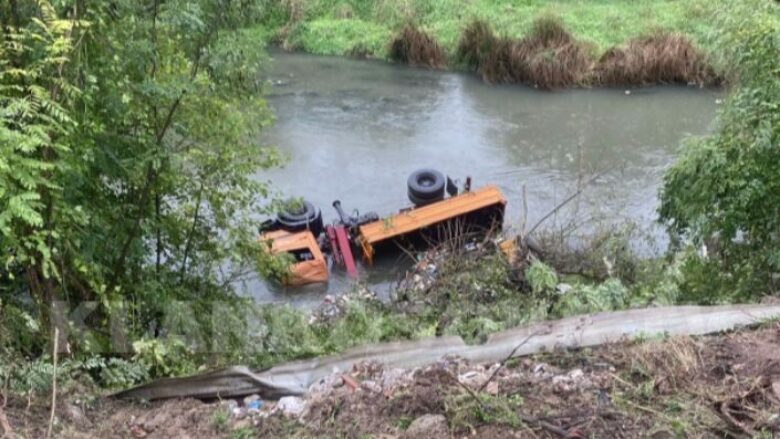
{"x": 723, "y": 193}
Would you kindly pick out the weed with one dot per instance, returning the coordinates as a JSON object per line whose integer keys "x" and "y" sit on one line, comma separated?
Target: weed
{"x": 662, "y": 57}
{"x": 476, "y": 43}
{"x": 415, "y": 47}
{"x": 404, "y": 422}
{"x": 541, "y": 277}
{"x": 220, "y": 420}
{"x": 243, "y": 433}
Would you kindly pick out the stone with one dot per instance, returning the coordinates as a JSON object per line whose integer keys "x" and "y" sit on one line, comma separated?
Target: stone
{"x": 371, "y": 386}
{"x": 228, "y": 404}
{"x": 239, "y": 412}
{"x": 291, "y": 406}
{"x": 73, "y": 414}
{"x": 492, "y": 388}
{"x": 428, "y": 426}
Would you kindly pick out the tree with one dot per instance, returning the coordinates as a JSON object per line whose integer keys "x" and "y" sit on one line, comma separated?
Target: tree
{"x": 130, "y": 149}
{"x": 725, "y": 189}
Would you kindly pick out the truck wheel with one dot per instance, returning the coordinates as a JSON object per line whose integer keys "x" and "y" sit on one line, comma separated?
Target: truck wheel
{"x": 304, "y": 217}
{"x": 426, "y": 184}
{"x": 419, "y": 202}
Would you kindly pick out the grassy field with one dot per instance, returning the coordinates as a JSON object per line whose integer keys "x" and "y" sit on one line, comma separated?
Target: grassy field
{"x": 343, "y": 27}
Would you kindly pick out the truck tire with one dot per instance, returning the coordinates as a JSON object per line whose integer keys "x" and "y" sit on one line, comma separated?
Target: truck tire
{"x": 426, "y": 184}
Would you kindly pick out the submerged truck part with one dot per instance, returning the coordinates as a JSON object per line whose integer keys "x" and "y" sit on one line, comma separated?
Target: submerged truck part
{"x": 341, "y": 248}
{"x": 480, "y": 211}
{"x": 308, "y": 265}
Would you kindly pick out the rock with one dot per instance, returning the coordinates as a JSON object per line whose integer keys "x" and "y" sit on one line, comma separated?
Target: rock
{"x": 492, "y": 388}
{"x": 291, "y": 406}
{"x": 239, "y": 412}
{"x": 371, "y": 386}
{"x": 138, "y": 432}
{"x": 428, "y": 426}
{"x": 73, "y": 414}
{"x": 776, "y": 386}
{"x": 228, "y": 404}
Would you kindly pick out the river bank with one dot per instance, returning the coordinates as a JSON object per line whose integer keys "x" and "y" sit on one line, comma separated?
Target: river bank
{"x": 722, "y": 385}
{"x": 612, "y": 43}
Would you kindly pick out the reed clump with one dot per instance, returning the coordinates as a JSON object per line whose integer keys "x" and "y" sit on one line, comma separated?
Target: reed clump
{"x": 549, "y": 57}
{"x": 663, "y": 57}
{"x": 415, "y": 47}
{"x": 476, "y": 44}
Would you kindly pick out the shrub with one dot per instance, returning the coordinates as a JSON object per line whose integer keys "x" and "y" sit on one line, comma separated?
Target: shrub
{"x": 724, "y": 191}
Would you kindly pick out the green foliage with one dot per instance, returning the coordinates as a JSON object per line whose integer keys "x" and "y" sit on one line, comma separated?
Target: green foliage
{"x": 243, "y": 433}
{"x": 221, "y": 419}
{"x": 116, "y": 373}
{"x": 164, "y": 357}
{"x": 18, "y": 330}
{"x": 338, "y": 26}
{"x": 285, "y": 333}
{"x": 34, "y": 127}
{"x": 340, "y": 37}
{"x": 580, "y": 299}
{"x": 36, "y": 376}
{"x": 724, "y": 191}
{"x": 466, "y": 410}
{"x": 541, "y": 277}
{"x": 129, "y": 156}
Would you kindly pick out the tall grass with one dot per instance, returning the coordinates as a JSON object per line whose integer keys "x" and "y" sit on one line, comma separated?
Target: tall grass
{"x": 550, "y": 57}
{"x": 659, "y": 58}
{"x": 415, "y": 47}
{"x": 603, "y": 24}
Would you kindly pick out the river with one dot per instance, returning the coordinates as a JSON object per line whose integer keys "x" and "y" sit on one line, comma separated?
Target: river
{"x": 354, "y": 130}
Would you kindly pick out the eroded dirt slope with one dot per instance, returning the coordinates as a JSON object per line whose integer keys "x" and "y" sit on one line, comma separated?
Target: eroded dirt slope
{"x": 713, "y": 386}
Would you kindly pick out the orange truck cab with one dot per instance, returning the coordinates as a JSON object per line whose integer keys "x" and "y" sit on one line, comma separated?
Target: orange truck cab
{"x": 309, "y": 266}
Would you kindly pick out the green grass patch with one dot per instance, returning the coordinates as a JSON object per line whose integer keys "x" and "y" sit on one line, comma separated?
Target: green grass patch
{"x": 328, "y": 36}
{"x": 336, "y": 27}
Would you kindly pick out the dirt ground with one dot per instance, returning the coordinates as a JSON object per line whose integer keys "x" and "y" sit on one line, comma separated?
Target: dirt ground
{"x": 715, "y": 386}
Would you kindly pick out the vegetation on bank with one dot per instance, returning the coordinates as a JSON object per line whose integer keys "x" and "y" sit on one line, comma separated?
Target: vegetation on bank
{"x": 128, "y": 155}
{"x": 548, "y": 44}
{"x": 125, "y": 182}
{"x": 339, "y": 27}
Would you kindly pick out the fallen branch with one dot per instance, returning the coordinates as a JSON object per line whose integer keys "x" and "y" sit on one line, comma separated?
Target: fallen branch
{"x": 509, "y": 357}
{"x": 5, "y": 425}
{"x": 53, "y": 383}
{"x": 565, "y": 202}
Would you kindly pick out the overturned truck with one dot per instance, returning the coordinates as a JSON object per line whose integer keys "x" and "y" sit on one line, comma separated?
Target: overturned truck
{"x": 440, "y": 211}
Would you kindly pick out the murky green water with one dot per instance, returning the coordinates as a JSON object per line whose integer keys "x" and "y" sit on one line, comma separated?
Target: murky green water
{"x": 354, "y": 130}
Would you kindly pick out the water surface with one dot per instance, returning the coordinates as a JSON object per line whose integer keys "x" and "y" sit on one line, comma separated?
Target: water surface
{"x": 354, "y": 130}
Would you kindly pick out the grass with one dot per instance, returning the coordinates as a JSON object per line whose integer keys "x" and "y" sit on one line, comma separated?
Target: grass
{"x": 338, "y": 27}
{"x": 339, "y": 37}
